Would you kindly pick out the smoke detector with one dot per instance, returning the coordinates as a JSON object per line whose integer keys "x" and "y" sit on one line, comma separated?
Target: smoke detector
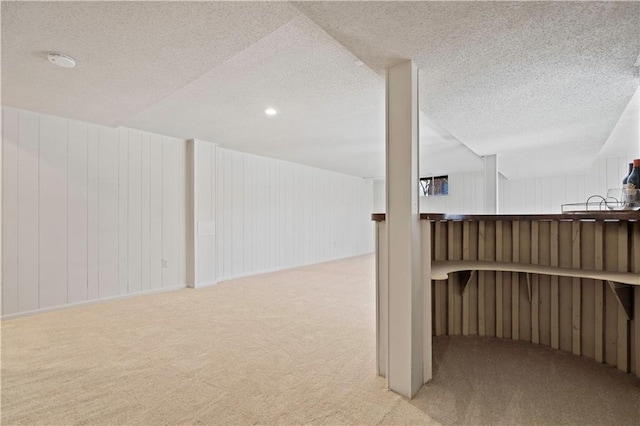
{"x": 61, "y": 60}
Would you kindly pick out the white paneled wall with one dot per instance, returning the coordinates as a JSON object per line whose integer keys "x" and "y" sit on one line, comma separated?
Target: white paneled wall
{"x": 546, "y": 195}
{"x": 466, "y": 195}
{"x": 521, "y": 196}
{"x": 272, "y": 214}
{"x": 89, "y": 212}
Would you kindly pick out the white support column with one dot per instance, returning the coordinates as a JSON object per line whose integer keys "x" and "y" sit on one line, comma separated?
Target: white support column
{"x": 405, "y": 321}
{"x": 201, "y": 202}
{"x": 491, "y": 184}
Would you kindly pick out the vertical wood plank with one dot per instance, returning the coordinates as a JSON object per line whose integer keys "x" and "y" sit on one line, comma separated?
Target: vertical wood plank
{"x": 525, "y": 310}
{"x": 260, "y": 215}
{"x": 383, "y": 294}
{"x": 450, "y": 282}
{"x": 108, "y": 216}
{"x": 499, "y": 256}
{"x": 295, "y": 216}
{"x": 636, "y": 291}
{"x": 10, "y": 222}
{"x": 134, "y": 213}
{"x": 214, "y": 209}
{"x": 238, "y": 213}
{"x": 181, "y": 211}
{"x": 28, "y": 225}
{"x": 555, "y": 314}
{"x": 564, "y": 287}
{"x": 515, "y": 282}
{"x": 535, "y": 285}
{"x": 544, "y": 283}
{"x": 155, "y": 212}
{"x": 53, "y": 212}
{"x": 245, "y": 188}
{"x": 441, "y": 295}
{"x": 611, "y": 262}
{"x": 481, "y": 279}
{"x": 93, "y": 201}
{"x": 145, "y": 232}
{"x": 472, "y": 292}
{"x": 427, "y": 305}
{"x": 575, "y": 288}
{"x": 219, "y": 203}
{"x": 587, "y": 289}
{"x": 77, "y": 187}
{"x": 170, "y": 218}
{"x": 202, "y": 203}
{"x": 623, "y": 323}
{"x": 466, "y": 294}
{"x": 599, "y": 293}
{"x": 123, "y": 211}
{"x": 277, "y": 217}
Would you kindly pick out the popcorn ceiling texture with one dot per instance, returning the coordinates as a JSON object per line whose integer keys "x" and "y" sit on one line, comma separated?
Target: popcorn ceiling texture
{"x": 130, "y": 54}
{"x": 540, "y": 83}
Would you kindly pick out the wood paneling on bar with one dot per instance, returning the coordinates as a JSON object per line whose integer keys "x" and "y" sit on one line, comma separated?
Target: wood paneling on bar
{"x": 577, "y": 315}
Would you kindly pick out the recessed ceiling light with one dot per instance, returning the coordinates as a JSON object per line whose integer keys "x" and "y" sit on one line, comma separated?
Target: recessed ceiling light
{"x": 270, "y": 111}
{"x": 61, "y": 60}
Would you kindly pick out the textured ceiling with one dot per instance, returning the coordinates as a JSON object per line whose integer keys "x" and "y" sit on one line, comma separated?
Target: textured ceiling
{"x": 536, "y": 82}
{"x": 625, "y": 137}
{"x": 130, "y": 54}
{"x": 541, "y": 83}
{"x": 331, "y": 112}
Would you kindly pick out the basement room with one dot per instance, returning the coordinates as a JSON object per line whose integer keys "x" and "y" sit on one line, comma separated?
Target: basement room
{"x": 345, "y": 213}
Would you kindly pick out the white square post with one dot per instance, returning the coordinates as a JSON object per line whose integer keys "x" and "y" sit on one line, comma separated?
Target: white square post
{"x": 491, "y": 184}
{"x": 405, "y": 374}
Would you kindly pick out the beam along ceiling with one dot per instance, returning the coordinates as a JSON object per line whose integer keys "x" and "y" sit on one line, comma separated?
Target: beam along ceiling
{"x": 541, "y": 83}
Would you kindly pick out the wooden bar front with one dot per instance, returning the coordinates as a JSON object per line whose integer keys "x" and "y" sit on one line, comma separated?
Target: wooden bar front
{"x": 598, "y": 319}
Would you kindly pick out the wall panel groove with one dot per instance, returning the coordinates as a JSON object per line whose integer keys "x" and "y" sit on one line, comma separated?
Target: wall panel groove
{"x": 87, "y": 200}
{"x": 101, "y": 212}
{"x": 274, "y": 214}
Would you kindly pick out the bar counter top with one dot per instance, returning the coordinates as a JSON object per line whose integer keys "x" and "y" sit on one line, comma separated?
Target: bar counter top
{"x": 586, "y": 216}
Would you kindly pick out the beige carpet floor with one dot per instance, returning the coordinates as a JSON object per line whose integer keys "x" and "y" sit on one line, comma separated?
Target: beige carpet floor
{"x": 292, "y": 347}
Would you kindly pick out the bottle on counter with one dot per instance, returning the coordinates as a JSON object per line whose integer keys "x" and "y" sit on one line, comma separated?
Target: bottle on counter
{"x": 624, "y": 184}
{"x": 626, "y": 178}
{"x": 633, "y": 186}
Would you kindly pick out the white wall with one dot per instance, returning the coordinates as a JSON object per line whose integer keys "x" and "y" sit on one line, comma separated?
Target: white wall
{"x": 89, "y": 212}
{"x": 521, "y": 196}
{"x": 272, "y": 214}
{"x": 546, "y": 195}
{"x": 466, "y": 196}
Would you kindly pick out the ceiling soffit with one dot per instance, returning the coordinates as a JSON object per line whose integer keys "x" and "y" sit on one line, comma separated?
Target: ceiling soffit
{"x": 531, "y": 81}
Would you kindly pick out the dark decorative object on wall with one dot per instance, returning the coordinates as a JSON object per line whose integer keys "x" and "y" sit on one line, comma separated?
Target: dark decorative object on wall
{"x": 434, "y": 186}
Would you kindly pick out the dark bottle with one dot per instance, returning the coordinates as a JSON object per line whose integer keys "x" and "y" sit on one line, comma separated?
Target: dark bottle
{"x": 625, "y": 193}
{"x": 633, "y": 186}
{"x": 626, "y": 178}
